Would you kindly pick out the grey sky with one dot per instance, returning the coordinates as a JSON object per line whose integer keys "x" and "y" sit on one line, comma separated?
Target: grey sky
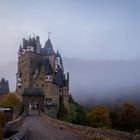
{"x": 87, "y": 29}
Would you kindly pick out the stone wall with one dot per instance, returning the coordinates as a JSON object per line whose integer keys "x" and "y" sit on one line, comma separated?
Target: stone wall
{"x": 16, "y": 126}
{"x": 22, "y": 134}
{"x": 94, "y": 133}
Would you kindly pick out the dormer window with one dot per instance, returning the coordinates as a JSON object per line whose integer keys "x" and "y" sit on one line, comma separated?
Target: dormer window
{"x": 49, "y": 78}
{"x": 30, "y": 49}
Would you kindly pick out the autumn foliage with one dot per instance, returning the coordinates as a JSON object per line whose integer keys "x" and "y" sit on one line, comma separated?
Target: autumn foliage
{"x": 126, "y": 117}
{"x": 7, "y": 100}
{"x": 10, "y": 100}
{"x": 99, "y": 117}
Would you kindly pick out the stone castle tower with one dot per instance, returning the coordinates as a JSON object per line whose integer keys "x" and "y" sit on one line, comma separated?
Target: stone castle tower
{"x": 42, "y": 68}
{"x": 4, "y": 86}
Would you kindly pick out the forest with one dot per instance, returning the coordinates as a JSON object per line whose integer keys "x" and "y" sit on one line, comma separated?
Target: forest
{"x": 124, "y": 118}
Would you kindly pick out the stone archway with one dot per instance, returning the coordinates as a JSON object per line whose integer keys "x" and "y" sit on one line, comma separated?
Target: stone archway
{"x": 33, "y": 100}
{"x": 33, "y": 108}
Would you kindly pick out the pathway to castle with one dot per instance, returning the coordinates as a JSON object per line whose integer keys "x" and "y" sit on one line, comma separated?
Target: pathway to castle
{"x": 39, "y": 129}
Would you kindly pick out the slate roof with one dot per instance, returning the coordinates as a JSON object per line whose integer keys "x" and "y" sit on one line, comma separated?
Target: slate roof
{"x": 59, "y": 78}
{"x": 58, "y": 54}
{"x": 48, "y": 48}
{"x": 47, "y": 66}
{"x": 33, "y": 92}
{"x": 20, "y": 48}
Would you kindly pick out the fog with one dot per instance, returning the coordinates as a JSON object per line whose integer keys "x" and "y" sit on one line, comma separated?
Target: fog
{"x": 95, "y": 81}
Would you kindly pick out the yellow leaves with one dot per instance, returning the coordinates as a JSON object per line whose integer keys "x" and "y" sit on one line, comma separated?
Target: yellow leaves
{"x": 10, "y": 100}
{"x": 128, "y": 106}
{"x": 99, "y": 117}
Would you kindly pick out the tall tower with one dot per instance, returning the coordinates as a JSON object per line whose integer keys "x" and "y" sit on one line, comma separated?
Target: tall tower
{"x": 28, "y": 57}
{"x": 48, "y": 52}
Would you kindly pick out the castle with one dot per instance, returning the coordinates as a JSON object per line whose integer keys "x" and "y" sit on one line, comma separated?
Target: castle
{"x": 40, "y": 76}
{"x": 4, "y": 86}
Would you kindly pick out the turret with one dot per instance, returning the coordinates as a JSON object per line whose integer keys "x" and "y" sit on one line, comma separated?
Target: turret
{"x": 48, "y": 52}
{"x": 68, "y": 79}
{"x": 4, "y": 86}
{"x": 38, "y": 45}
{"x": 58, "y": 61}
{"x": 20, "y": 51}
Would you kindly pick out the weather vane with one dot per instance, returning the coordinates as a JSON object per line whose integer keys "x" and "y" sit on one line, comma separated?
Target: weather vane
{"x": 49, "y": 33}
{"x": 33, "y": 34}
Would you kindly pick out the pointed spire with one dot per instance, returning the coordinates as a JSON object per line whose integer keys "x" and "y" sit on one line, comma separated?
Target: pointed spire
{"x": 57, "y": 54}
{"x": 20, "y": 48}
{"x": 49, "y": 34}
{"x": 30, "y": 38}
{"x": 48, "y": 44}
{"x": 3, "y": 81}
{"x": 48, "y": 48}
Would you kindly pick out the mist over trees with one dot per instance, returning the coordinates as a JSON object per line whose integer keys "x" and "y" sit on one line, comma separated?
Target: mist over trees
{"x": 94, "y": 82}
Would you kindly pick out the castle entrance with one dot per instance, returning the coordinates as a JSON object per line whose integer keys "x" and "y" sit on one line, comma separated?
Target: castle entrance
{"x": 33, "y": 108}
{"x": 33, "y": 100}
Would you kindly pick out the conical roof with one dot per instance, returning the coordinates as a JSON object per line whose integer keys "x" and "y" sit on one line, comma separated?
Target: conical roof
{"x": 20, "y": 48}
{"x": 58, "y": 54}
{"x": 48, "y": 48}
{"x": 47, "y": 66}
{"x": 2, "y": 81}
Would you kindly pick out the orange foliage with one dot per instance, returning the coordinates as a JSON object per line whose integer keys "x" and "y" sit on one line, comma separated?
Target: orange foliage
{"x": 99, "y": 117}
{"x": 10, "y": 100}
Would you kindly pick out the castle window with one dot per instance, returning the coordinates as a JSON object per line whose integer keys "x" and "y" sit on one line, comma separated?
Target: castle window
{"x": 42, "y": 85}
{"x": 37, "y": 85}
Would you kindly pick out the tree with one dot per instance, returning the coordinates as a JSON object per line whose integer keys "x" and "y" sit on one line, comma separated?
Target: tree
{"x": 99, "y": 117}
{"x": 114, "y": 116}
{"x": 80, "y": 117}
{"x": 128, "y": 117}
{"x": 10, "y": 100}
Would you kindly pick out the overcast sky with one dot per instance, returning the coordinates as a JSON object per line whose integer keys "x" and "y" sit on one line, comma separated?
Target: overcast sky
{"x": 87, "y": 29}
